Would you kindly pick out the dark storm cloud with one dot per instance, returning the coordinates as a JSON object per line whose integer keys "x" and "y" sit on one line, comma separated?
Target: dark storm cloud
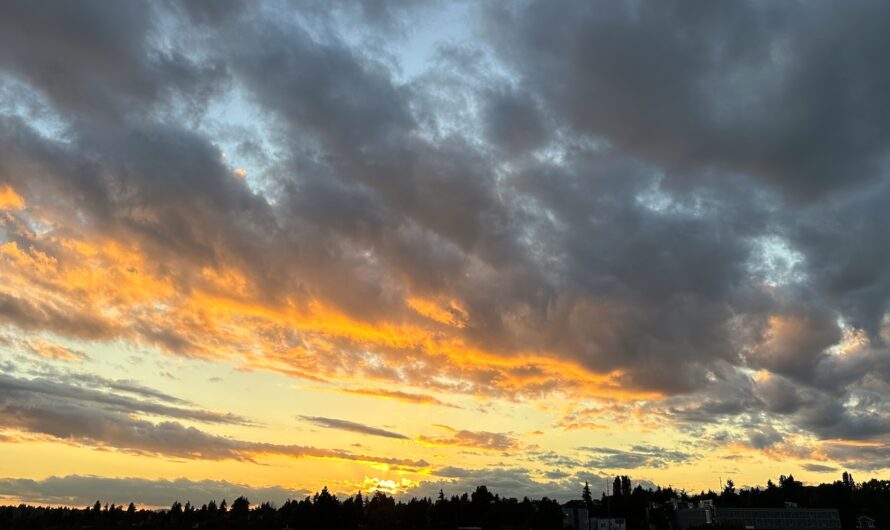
{"x": 85, "y": 490}
{"x": 351, "y": 426}
{"x": 209, "y": 11}
{"x": 790, "y": 92}
{"x": 608, "y": 194}
{"x": 320, "y": 87}
{"x": 98, "y": 61}
{"x": 649, "y": 291}
{"x": 513, "y": 121}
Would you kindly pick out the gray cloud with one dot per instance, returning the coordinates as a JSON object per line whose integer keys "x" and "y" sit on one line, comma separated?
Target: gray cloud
{"x": 94, "y": 418}
{"x": 637, "y": 456}
{"x": 14, "y": 392}
{"x": 513, "y": 482}
{"x": 636, "y": 74}
{"x": 99, "y": 62}
{"x": 80, "y": 490}
{"x": 669, "y": 192}
{"x": 819, "y": 468}
{"x": 870, "y": 457}
{"x": 351, "y": 426}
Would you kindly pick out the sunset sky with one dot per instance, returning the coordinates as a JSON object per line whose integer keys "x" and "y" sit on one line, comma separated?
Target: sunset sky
{"x": 260, "y": 248}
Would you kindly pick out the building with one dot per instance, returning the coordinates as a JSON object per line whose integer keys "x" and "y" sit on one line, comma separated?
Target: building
{"x": 778, "y": 518}
{"x": 789, "y": 518}
{"x": 575, "y": 515}
{"x": 690, "y": 517}
{"x": 607, "y": 524}
{"x": 865, "y": 523}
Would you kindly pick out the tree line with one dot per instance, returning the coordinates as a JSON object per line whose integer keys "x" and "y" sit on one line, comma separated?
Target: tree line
{"x": 643, "y": 509}
{"x": 320, "y": 511}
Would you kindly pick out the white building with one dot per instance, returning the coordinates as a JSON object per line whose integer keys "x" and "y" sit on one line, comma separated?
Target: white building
{"x": 607, "y": 524}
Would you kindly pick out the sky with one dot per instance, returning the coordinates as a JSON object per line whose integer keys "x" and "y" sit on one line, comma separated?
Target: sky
{"x": 263, "y": 248}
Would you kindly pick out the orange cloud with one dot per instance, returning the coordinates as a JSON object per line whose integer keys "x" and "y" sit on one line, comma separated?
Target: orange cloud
{"x": 408, "y": 397}
{"x": 450, "y": 312}
{"x": 101, "y": 289}
{"x": 492, "y": 441}
{"x": 50, "y": 350}
{"x": 10, "y": 200}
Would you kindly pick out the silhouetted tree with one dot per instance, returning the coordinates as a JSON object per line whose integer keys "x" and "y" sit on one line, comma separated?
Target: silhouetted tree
{"x": 240, "y": 508}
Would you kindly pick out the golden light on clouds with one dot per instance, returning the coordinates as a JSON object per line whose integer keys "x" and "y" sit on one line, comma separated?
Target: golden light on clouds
{"x": 9, "y": 199}
{"x": 297, "y": 260}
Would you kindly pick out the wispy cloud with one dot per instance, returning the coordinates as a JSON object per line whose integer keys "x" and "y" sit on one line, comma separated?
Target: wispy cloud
{"x": 493, "y": 441}
{"x": 351, "y": 426}
{"x": 409, "y": 397}
{"x": 637, "y": 456}
{"x": 96, "y": 419}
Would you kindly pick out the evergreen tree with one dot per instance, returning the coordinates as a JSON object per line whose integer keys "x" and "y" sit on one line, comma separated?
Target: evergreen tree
{"x": 240, "y": 508}
{"x": 625, "y": 485}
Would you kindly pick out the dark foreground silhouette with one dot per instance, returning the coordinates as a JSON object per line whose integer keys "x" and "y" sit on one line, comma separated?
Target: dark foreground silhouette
{"x": 643, "y": 509}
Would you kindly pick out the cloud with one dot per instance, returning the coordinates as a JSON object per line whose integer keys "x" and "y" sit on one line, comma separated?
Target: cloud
{"x": 44, "y": 348}
{"x": 398, "y": 395}
{"x": 638, "y": 456}
{"x": 110, "y": 67}
{"x": 20, "y": 392}
{"x": 9, "y": 199}
{"x": 351, "y": 426}
{"x": 866, "y": 456}
{"x": 94, "y": 418}
{"x": 819, "y": 468}
{"x": 84, "y": 490}
{"x": 512, "y": 482}
{"x": 493, "y": 441}
{"x": 599, "y": 76}
{"x": 638, "y": 211}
